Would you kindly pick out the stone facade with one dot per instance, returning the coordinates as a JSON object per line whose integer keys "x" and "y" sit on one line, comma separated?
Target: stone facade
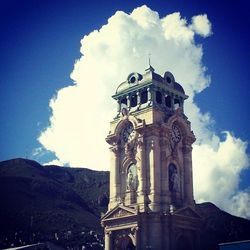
{"x": 151, "y": 187}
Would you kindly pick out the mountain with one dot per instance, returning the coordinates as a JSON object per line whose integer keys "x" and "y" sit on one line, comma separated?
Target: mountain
{"x": 220, "y": 227}
{"x": 63, "y": 205}
{"x": 50, "y": 202}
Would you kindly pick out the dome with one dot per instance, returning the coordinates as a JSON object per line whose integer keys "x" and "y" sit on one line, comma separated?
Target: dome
{"x": 132, "y": 80}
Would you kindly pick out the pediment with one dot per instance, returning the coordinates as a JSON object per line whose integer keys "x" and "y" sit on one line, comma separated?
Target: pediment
{"x": 187, "y": 212}
{"x": 119, "y": 212}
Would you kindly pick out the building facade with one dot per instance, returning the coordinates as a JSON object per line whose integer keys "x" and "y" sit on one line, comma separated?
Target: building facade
{"x": 151, "y": 202}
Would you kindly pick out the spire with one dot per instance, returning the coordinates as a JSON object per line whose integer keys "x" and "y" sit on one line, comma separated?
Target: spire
{"x": 150, "y": 68}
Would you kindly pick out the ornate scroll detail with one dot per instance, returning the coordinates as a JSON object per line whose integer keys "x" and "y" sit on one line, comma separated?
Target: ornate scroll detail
{"x": 130, "y": 149}
{"x": 121, "y": 213}
{"x": 114, "y": 148}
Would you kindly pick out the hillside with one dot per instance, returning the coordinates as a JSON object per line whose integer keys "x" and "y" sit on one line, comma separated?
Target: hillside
{"x": 48, "y": 202}
{"x": 63, "y": 205}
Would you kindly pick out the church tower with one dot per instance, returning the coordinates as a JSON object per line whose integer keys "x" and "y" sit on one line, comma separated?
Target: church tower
{"x": 151, "y": 203}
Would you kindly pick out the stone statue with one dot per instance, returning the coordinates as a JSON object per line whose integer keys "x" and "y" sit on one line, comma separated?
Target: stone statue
{"x": 173, "y": 178}
{"x": 132, "y": 179}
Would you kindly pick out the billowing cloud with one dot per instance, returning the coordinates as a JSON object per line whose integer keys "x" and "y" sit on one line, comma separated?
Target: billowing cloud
{"x": 201, "y": 25}
{"x": 217, "y": 168}
{"x": 81, "y": 112}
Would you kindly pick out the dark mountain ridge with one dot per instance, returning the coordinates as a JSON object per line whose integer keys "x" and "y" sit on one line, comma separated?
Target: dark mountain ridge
{"x": 63, "y": 205}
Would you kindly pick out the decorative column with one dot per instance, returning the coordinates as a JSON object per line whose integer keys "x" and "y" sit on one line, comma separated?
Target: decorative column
{"x": 135, "y": 235}
{"x": 107, "y": 239}
{"x": 188, "y": 174}
{"x": 142, "y": 176}
{"x": 149, "y": 96}
{"x": 114, "y": 176}
{"x": 118, "y": 106}
{"x": 165, "y": 194}
{"x": 155, "y": 172}
{"x": 128, "y": 101}
{"x": 138, "y": 99}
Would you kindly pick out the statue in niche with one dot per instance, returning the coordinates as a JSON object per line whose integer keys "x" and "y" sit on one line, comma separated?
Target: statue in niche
{"x": 132, "y": 178}
{"x": 173, "y": 178}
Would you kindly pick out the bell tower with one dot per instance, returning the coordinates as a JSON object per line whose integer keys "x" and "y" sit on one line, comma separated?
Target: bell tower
{"x": 151, "y": 203}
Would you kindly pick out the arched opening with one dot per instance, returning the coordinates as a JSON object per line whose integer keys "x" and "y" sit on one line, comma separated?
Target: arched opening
{"x": 132, "y": 79}
{"x": 168, "y": 101}
{"x": 133, "y": 101}
{"x": 183, "y": 243}
{"x": 158, "y": 97}
{"x": 124, "y": 243}
{"x": 168, "y": 79}
{"x": 173, "y": 178}
{"x": 144, "y": 97}
{"x": 124, "y": 101}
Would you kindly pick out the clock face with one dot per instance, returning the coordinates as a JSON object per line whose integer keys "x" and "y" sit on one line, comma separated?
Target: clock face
{"x": 128, "y": 133}
{"x": 175, "y": 134}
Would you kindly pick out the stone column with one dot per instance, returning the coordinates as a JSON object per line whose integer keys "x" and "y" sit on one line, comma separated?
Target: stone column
{"x": 149, "y": 96}
{"x": 118, "y": 106}
{"x": 128, "y": 101}
{"x": 142, "y": 175}
{"x": 155, "y": 172}
{"x": 188, "y": 174}
{"x": 165, "y": 194}
{"x": 138, "y": 99}
{"x": 108, "y": 243}
{"x": 114, "y": 176}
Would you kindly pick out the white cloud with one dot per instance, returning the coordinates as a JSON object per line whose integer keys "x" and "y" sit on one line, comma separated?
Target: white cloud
{"x": 201, "y": 25}
{"x": 240, "y": 204}
{"x": 81, "y": 113}
{"x": 55, "y": 162}
{"x": 37, "y": 151}
{"x": 217, "y": 168}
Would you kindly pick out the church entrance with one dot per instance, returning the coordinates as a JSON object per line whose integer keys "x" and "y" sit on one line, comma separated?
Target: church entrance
{"x": 124, "y": 243}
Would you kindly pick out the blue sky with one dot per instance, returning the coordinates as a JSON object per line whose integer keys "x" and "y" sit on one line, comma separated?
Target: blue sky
{"x": 40, "y": 41}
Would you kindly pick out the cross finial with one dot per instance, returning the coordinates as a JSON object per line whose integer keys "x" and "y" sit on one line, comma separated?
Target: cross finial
{"x": 150, "y": 68}
{"x": 149, "y": 62}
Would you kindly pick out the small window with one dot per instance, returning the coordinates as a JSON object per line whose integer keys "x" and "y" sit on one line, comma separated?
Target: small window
{"x": 132, "y": 79}
{"x": 144, "y": 97}
{"x": 133, "y": 101}
{"x": 168, "y": 79}
{"x": 158, "y": 97}
{"x": 168, "y": 101}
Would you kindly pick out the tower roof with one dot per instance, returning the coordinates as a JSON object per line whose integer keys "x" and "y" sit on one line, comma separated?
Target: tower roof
{"x": 137, "y": 81}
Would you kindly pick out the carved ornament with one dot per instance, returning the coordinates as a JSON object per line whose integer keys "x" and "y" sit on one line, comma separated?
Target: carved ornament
{"x": 121, "y": 213}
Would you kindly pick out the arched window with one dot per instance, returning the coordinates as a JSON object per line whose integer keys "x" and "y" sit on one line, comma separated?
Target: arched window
{"x": 124, "y": 101}
{"x": 132, "y": 178}
{"x": 158, "y": 97}
{"x": 144, "y": 96}
{"x": 173, "y": 178}
{"x": 133, "y": 101}
{"x": 168, "y": 101}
